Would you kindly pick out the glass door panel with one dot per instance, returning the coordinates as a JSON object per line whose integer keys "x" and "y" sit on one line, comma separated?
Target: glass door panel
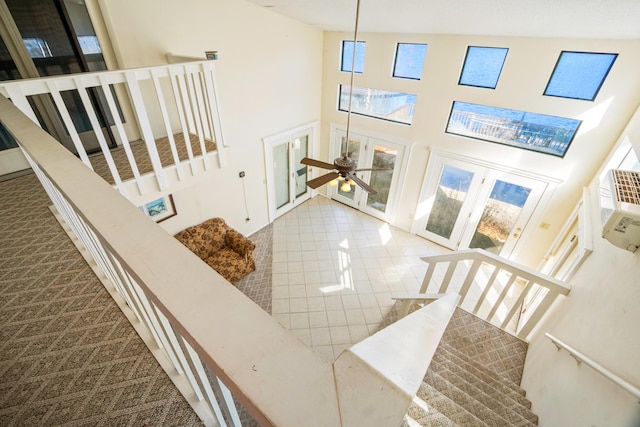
{"x": 353, "y": 151}
{"x": 500, "y": 214}
{"x": 281, "y": 174}
{"x": 371, "y": 153}
{"x": 383, "y": 158}
{"x": 503, "y": 208}
{"x": 300, "y": 149}
{"x": 286, "y": 176}
{"x": 451, "y": 193}
{"x": 60, "y": 39}
{"x": 470, "y": 205}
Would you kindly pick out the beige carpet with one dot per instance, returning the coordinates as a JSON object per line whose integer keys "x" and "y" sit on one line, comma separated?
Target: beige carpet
{"x": 141, "y": 155}
{"x": 68, "y": 356}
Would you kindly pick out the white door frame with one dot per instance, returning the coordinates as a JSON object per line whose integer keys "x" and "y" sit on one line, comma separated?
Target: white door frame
{"x": 404, "y": 148}
{"x": 312, "y": 131}
{"x": 432, "y": 174}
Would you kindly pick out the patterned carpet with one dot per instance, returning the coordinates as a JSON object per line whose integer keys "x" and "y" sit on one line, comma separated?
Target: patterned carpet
{"x": 141, "y": 156}
{"x": 67, "y": 354}
{"x": 69, "y": 357}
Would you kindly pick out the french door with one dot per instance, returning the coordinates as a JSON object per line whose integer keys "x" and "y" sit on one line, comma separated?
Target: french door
{"x": 371, "y": 152}
{"x": 471, "y": 205}
{"x": 286, "y": 176}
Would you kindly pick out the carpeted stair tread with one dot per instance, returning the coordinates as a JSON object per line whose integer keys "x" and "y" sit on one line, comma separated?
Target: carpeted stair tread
{"x": 464, "y": 400}
{"x": 421, "y": 414}
{"x": 481, "y": 375}
{"x": 481, "y": 368}
{"x": 504, "y": 407}
{"x": 447, "y": 407}
{"x": 487, "y": 344}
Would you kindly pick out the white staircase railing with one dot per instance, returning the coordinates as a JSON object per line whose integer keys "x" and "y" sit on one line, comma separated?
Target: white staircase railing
{"x": 493, "y": 279}
{"x": 197, "y": 321}
{"x": 177, "y": 102}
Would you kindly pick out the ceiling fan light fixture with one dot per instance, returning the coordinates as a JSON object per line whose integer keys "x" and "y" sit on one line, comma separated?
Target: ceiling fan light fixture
{"x": 345, "y": 187}
{"x": 334, "y": 182}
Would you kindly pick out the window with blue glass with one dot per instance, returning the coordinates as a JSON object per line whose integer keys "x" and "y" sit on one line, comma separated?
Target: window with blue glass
{"x": 482, "y": 66}
{"x": 521, "y": 129}
{"x": 409, "y": 60}
{"x": 579, "y": 75}
{"x": 347, "y": 56}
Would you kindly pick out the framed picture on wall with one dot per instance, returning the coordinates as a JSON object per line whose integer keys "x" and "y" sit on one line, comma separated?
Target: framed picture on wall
{"x": 160, "y": 209}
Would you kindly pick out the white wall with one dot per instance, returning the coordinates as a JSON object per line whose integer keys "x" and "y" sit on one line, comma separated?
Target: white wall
{"x": 600, "y": 318}
{"x": 268, "y": 77}
{"x": 524, "y": 77}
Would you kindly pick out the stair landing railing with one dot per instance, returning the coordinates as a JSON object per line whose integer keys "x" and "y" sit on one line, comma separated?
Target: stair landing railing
{"x": 148, "y": 103}
{"x": 550, "y": 288}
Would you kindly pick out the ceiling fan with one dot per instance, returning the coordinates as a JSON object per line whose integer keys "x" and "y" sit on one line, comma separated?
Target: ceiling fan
{"x": 343, "y": 168}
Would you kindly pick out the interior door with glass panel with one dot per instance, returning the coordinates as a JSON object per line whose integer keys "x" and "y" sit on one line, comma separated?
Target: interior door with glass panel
{"x": 286, "y": 176}
{"x": 371, "y": 153}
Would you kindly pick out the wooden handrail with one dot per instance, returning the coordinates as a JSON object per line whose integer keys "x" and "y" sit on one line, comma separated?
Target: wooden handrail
{"x": 580, "y": 358}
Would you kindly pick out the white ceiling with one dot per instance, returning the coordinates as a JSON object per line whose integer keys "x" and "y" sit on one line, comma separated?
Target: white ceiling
{"x": 608, "y": 19}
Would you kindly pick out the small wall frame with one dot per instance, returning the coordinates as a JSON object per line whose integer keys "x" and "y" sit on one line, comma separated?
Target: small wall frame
{"x": 160, "y": 209}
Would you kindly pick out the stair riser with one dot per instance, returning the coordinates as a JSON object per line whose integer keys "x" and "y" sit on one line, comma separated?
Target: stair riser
{"x": 501, "y": 405}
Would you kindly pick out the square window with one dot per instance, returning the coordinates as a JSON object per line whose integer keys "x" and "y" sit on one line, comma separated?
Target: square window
{"x": 579, "y": 75}
{"x": 482, "y": 66}
{"x": 380, "y": 104}
{"x": 347, "y": 56}
{"x": 521, "y": 129}
{"x": 409, "y": 60}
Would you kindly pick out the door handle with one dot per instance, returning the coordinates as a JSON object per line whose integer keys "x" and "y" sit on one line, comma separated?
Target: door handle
{"x": 515, "y": 235}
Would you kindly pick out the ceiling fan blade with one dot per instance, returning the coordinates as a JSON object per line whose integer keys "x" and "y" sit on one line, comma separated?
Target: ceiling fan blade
{"x": 321, "y": 180}
{"x": 373, "y": 169}
{"x": 317, "y": 163}
{"x": 366, "y": 187}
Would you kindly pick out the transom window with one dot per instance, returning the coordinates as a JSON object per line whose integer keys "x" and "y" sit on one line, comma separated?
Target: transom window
{"x": 531, "y": 131}
{"x": 579, "y": 75}
{"x": 380, "y": 104}
{"x": 347, "y": 56}
{"x": 482, "y": 66}
{"x": 409, "y": 60}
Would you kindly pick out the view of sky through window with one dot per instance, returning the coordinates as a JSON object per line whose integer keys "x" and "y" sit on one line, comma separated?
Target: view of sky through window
{"x": 409, "y": 60}
{"x": 531, "y": 131}
{"x": 579, "y": 75}
{"x": 482, "y": 66}
{"x": 347, "y": 56}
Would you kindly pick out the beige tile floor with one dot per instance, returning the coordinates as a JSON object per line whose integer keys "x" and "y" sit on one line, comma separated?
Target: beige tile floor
{"x": 335, "y": 269}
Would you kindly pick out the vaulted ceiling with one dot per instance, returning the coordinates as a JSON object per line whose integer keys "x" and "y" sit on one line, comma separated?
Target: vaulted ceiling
{"x": 598, "y": 19}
